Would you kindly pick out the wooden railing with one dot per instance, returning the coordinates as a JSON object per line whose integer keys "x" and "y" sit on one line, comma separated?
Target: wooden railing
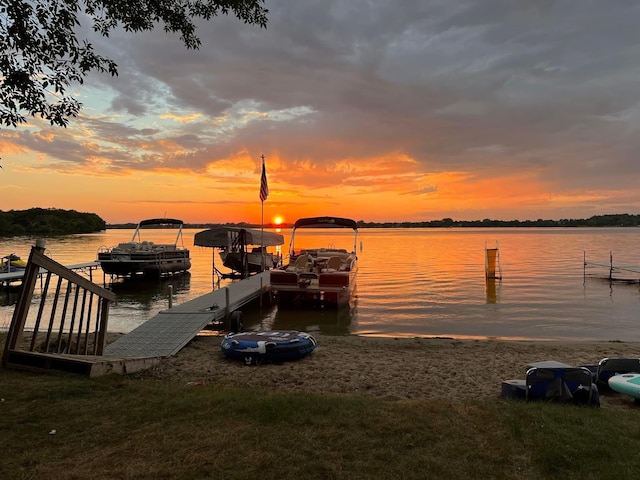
{"x": 72, "y": 326}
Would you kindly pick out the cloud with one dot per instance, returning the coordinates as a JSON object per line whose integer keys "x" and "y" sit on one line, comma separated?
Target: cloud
{"x": 399, "y": 95}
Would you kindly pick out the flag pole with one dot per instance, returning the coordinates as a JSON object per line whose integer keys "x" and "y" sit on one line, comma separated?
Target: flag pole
{"x": 262, "y": 232}
{"x": 264, "y": 193}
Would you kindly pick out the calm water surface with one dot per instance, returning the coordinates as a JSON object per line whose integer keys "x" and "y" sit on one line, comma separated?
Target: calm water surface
{"x": 415, "y": 282}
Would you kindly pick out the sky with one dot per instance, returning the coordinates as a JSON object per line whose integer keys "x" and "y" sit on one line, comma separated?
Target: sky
{"x": 376, "y": 110}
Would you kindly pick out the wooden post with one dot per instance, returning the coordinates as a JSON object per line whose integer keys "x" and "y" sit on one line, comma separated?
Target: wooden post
{"x": 102, "y": 331}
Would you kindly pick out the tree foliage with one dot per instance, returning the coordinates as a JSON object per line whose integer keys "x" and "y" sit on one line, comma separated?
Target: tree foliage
{"x": 48, "y": 222}
{"x": 41, "y": 54}
{"x": 614, "y": 220}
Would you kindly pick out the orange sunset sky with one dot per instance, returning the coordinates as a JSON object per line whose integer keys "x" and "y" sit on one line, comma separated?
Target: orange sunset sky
{"x": 364, "y": 109}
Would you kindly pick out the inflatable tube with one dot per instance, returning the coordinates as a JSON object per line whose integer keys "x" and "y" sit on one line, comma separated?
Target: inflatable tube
{"x": 268, "y": 346}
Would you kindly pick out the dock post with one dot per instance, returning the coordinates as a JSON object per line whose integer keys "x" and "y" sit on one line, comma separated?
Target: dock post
{"x": 610, "y": 266}
{"x": 170, "y": 296}
{"x": 226, "y": 306}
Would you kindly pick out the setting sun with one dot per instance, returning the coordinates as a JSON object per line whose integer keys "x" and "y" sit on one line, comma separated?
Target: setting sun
{"x": 401, "y": 146}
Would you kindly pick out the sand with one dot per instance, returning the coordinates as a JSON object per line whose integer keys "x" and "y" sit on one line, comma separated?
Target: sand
{"x": 389, "y": 368}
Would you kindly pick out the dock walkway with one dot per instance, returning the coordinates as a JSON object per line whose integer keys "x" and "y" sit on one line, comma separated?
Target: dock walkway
{"x": 16, "y": 276}
{"x": 611, "y": 266}
{"x": 170, "y": 330}
{"x": 614, "y": 267}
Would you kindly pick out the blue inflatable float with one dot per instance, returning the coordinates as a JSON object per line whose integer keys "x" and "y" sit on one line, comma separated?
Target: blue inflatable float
{"x": 268, "y": 346}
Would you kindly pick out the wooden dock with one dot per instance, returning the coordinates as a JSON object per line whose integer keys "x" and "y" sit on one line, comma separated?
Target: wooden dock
{"x": 170, "y": 330}
{"x": 72, "y": 336}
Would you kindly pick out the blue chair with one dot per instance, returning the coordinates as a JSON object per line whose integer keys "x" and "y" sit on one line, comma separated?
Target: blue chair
{"x": 562, "y": 384}
{"x": 608, "y": 367}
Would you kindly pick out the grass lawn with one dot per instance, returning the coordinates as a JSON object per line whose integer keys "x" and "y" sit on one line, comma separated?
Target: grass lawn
{"x": 65, "y": 426}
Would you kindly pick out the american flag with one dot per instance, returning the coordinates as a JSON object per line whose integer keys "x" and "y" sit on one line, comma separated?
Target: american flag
{"x": 264, "y": 188}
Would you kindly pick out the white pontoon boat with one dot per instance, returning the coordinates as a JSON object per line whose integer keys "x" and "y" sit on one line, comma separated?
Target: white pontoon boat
{"x": 323, "y": 274}
{"x": 142, "y": 257}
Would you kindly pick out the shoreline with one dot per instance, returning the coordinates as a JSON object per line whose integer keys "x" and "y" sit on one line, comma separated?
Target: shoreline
{"x": 391, "y": 368}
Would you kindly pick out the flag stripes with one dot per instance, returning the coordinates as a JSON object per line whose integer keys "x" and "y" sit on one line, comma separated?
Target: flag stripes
{"x": 264, "y": 187}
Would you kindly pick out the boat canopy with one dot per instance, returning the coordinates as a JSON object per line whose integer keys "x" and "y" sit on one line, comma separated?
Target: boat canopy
{"x": 323, "y": 222}
{"x": 218, "y": 237}
{"x": 326, "y": 222}
{"x": 160, "y": 221}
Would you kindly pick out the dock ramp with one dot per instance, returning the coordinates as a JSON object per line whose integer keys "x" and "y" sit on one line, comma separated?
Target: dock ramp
{"x": 170, "y": 330}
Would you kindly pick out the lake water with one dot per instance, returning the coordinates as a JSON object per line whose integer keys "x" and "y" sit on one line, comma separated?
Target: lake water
{"x": 414, "y": 282}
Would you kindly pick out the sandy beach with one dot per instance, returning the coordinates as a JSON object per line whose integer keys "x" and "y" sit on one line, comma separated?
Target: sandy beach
{"x": 389, "y": 368}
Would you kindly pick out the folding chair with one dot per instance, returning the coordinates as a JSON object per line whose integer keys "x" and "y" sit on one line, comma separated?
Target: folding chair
{"x": 561, "y": 384}
{"x": 608, "y": 367}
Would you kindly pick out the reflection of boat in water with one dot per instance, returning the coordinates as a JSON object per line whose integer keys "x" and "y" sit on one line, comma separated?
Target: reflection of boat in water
{"x": 319, "y": 274}
{"x": 146, "y": 291}
{"x": 327, "y": 321}
{"x": 9, "y": 295}
{"x": 145, "y": 257}
{"x": 242, "y": 250}
{"x": 12, "y": 263}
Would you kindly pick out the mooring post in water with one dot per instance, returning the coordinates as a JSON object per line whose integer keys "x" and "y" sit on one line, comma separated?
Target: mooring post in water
{"x": 170, "y": 296}
{"x": 610, "y": 266}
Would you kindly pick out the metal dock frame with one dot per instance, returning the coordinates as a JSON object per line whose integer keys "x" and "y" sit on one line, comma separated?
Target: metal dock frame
{"x": 170, "y": 330}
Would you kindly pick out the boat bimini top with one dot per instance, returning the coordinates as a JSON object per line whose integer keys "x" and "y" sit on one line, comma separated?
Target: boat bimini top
{"x": 324, "y": 222}
{"x": 159, "y": 222}
{"x": 223, "y": 237}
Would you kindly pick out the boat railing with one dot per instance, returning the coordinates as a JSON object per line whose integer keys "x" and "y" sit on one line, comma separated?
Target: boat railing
{"x": 71, "y": 319}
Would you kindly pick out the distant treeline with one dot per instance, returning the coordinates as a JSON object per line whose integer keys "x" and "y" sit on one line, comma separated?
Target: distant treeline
{"x": 617, "y": 220}
{"x": 52, "y": 222}
{"x": 48, "y": 222}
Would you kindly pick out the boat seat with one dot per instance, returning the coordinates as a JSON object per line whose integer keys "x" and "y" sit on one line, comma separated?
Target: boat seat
{"x": 348, "y": 263}
{"x": 300, "y": 264}
{"x": 332, "y": 265}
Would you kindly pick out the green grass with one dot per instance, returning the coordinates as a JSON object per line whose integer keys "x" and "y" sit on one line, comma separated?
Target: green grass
{"x": 128, "y": 428}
